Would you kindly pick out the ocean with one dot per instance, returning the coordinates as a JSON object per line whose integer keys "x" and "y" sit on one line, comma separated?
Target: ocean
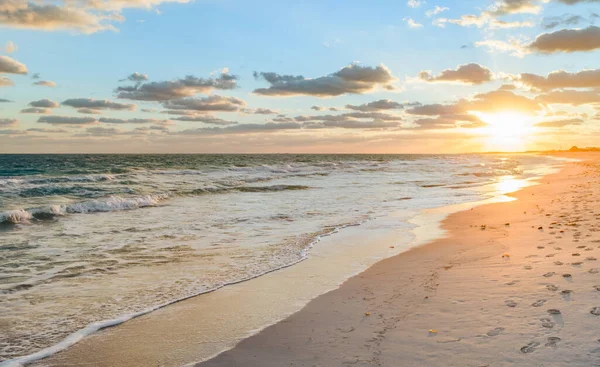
{"x": 88, "y": 241}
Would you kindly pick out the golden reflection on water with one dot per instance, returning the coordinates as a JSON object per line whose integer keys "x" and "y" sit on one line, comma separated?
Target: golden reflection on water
{"x": 507, "y": 184}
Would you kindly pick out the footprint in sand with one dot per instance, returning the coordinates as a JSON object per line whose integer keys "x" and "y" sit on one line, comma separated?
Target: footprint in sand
{"x": 553, "y": 341}
{"x": 512, "y": 283}
{"x": 558, "y": 248}
{"x": 538, "y": 303}
{"x": 527, "y": 267}
{"x": 578, "y": 263}
{"x": 576, "y": 254}
{"x": 550, "y": 255}
{"x": 597, "y": 287}
{"x": 568, "y": 276}
{"x": 510, "y": 303}
{"x": 547, "y": 323}
{"x": 558, "y": 263}
{"x": 566, "y": 292}
{"x": 549, "y": 274}
{"x": 552, "y": 287}
{"x": 591, "y": 258}
{"x": 530, "y": 348}
{"x": 581, "y": 246}
{"x": 593, "y": 271}
{"x": 495, "y": 332}
{"x": 595, "y": 311}
{"x": 553, "y": 311}
{"x": 541, "y": 247}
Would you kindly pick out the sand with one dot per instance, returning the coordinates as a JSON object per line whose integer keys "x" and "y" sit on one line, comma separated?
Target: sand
{"x": 512, "y": 284}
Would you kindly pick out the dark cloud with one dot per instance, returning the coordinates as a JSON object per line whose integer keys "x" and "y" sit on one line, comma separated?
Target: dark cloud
{"x": 207, "y": 119}
{"x": 67, "y": 120}
{"x": 382, "y": 104}
{"x": 11, "y": 66}
{"x": 210, "y": 103}
{"x": 176, "y": 89}
{"x": 45, "y": 83}
{"x": 561, "y": 79}
{"x": 449, "y": 122}
{"x": 98, "y": 104}
{"x": 136, "y": 77}
{"x": 2, "y": 100}
{"x": 48, "y": 131}
{"x": 44, "y": 103}
{"x": 467, "y": 74}
{"x": 130, "y": 121}
{"x": 317, "y": 108}
{"x": 560, "y": 123}
{"x": 5, "y": 122}
{"x": 244, "y": 128}
{"x": 264, "y": 111}
{"x": 353, "y": 79}
{"x": 567, "y": 40}
{"x": 37, "y": 110}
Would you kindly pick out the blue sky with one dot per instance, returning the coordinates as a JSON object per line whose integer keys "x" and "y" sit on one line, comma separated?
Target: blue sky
{"x": 168, "y": 40}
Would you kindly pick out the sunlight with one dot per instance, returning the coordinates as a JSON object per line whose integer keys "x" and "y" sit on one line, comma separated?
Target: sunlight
{"x": 508, "y": 184}
{"x": 506, "y": 131}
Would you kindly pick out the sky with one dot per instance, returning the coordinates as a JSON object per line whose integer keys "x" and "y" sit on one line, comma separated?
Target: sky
{"x": 312, "y": 76}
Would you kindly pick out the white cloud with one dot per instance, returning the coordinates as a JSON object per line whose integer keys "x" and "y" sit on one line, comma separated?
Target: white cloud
{"x": 412, "y": 24}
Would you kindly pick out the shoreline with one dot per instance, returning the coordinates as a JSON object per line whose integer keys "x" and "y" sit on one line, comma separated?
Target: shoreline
{"x": 485, "y": 295}
{"x": 49, "y": 361}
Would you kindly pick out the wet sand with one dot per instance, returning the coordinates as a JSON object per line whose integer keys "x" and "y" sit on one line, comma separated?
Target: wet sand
{"x": 494, "y": 292}
{"x": 514, "y": 284}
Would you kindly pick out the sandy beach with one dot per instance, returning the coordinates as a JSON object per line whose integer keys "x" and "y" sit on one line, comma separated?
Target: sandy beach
{"x": 514, "y": 283}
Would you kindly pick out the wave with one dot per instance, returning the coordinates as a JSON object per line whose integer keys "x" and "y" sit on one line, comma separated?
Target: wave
{"x": 110, "y": 204}
{"x": 94, "y": 327}
{"x": 117, "y": 203}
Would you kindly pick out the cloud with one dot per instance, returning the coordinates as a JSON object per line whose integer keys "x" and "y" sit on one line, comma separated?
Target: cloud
{"x": 10, "y": 47}
{"x": 207, "y": 119}
{"x": 6, "y": 122}
{"x": 560, "y": 123}
{"x": 264, "y": 111}
{"x": 571, "y": 97}
{"x": 567, "y": 19}
{"x": 352, "y": 79}
{"x": 244, "y": 128}
{"x": 467, "y": 74}
{"x": 5, "y": 82}
{"x": 131, "y": 121}
{"x": 47, "y": 130}
{"x": 45, "y": 83}
{"x": 560, "y": 79}
{"x": 89, "y": 111}
{"x": 317, "y": 108}
{"x": 567, "y": 40}
{"x": 382, "y": 104}
{"x": 514, "y": 46}
{"x": 175, "y": 89}
{"x": 449, "y": 122}
{"x": 11, "y": 66}
{"x": 411, "y": 23}
{"x": 66, "y": 120}
{"x": 415, "y": 3}
{"x": 2, "y": 100}
{"x": 437, "y": 10}
{"x": 83, "y": 16}
{"x": 44, "y": 103}
{"x": 491, "y": 102}
{"x": 37, "y": 110}
{"x": 96, "y": 104}
{"x": 136, "y": 77}
{"x": 210, "y": 103}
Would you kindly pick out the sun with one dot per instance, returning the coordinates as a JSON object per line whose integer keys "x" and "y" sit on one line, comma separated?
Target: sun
{"x": 506, "y": 131}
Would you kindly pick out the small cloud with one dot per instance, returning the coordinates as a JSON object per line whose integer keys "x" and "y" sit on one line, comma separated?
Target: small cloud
{"x": 41, "y": 111}
{"x": 45, "y": 83}
{"x": 5, "y": 82}
{"x": 466, "y": 74}
{"x": 415, "y": 3}
{"x": 66, "y": 120}
{"x": 11, "y": 66}
{"x": 35, "y": 76}
{"x": 437, "y": 10}
{"x": 411, "y": 23}
{"x": 44, "y": 103}
{"x": 6, "y": 122}
{"x": 10, "y": 47}
{"x": 98, "y": 104}
{"x": 136, "y": 77}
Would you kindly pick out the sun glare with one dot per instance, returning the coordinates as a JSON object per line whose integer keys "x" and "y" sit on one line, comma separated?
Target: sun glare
{"x": 506, "y": 131}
